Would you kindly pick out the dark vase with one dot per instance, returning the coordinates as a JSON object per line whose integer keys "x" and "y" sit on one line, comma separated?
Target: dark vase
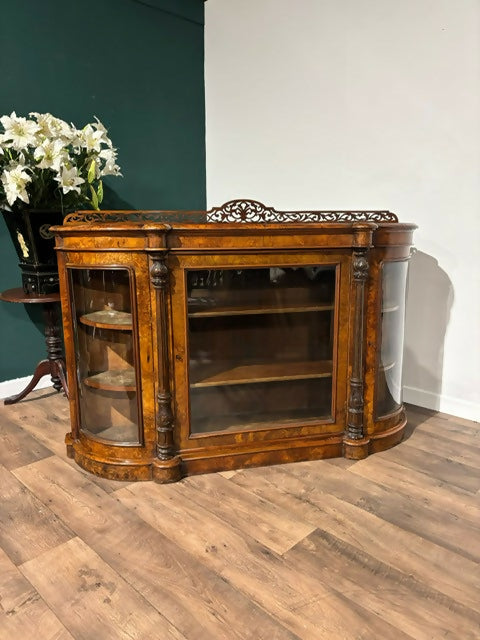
{"x": 35, "y": 247}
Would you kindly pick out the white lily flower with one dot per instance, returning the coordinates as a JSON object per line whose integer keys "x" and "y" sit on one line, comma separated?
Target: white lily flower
{"x": 69, "y": 179}
{"x": 14, "y": 182}
{"x": 6, "y": 120}
{"x": 100, "y": 127}
{"x": 110, "y": 167}
{"x": 50, "y": 154}
{"x": 52, "y": 127}
{"x": 91, "y": 139}
{"x": 19, "y": 132}
{"x": 21, "y": 159}
{"x": 63, "y": 130}
{"x": 76, "y": 140}
{"x": 44, "y": 121}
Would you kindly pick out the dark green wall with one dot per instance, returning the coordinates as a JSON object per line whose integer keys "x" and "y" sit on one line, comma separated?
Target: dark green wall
{"x": 135, "y": 64}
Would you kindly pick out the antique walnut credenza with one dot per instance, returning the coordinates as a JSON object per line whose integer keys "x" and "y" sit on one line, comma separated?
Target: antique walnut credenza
{"x": 200, "y": 341}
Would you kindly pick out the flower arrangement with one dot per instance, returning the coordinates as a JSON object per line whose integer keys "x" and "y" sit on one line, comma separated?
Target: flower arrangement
{"x": 46, "y": 163}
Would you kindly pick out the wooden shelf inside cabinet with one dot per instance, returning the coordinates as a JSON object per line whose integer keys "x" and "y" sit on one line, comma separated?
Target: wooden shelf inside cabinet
{"x": 113, "y": 380}
{"x": 108, "y": 319}
{"x": 252, "y": 373}
{"x": 246, "y": 310}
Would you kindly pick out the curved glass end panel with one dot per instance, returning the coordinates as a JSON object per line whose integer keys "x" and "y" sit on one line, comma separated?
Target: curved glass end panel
{"x": 105, "y": 354}
{"x": 389, "y": 373}
{"x": 260, "y": 347}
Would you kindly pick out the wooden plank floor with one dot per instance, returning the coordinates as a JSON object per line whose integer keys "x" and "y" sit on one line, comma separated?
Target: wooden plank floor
{"x": 384, "y": 548}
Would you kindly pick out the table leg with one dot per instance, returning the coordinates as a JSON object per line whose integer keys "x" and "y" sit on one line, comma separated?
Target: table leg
{"x": 42, "y": 369}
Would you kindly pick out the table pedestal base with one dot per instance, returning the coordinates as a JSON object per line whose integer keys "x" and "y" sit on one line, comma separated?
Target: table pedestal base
{"x": 54, "y": 368}
{"x": 54, "y": 365}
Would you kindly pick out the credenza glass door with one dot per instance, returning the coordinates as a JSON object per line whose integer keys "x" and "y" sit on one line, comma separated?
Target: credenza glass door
{"x": 260, "y": 344}
{"x": 105, "y": 354}
{"x": 392, "y": 326}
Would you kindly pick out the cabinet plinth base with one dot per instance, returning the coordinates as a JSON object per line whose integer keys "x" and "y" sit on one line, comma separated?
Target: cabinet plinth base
{"x": 380, "y": 441}
{"x": 208, "y": 462}
{"x": 390, "y": 437}
{"x": 164, "y": 471}
{"x": 126, "y": 470}
{"x": 69, "y": 444}
{"x": 189, "y": 463}
{"x": 356, "y": 449}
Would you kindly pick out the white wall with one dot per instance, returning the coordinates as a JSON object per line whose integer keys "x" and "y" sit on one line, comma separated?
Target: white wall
{"x": 364, "y": 104}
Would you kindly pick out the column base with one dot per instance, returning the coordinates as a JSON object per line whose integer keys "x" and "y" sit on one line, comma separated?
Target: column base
{"x": 356, "y": 449}
{"x": 164, "y": 471}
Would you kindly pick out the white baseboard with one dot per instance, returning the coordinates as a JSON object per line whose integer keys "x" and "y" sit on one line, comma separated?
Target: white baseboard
{"x": 445, "y": 404}
{"x": 12, "y": 387}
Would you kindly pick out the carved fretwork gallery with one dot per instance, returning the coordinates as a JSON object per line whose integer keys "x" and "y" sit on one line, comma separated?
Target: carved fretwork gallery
{"x": 199, "y": 341}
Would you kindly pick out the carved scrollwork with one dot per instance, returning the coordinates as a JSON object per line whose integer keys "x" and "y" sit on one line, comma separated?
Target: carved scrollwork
{"x": 165, "y": 426}
{"x": 355, "y": 422}
{"x": 367, "y": 216}
{"x": 254, "y": 211}
{"x": 243, "y": 210}
{"x": 159, "y": 274}
{"x": 355, "y": 410}
{"x": 360, "y": 266}
{"x": 356, "y": 396}
{"x": 104, "y": 217}
{"x": 90, "y": 217}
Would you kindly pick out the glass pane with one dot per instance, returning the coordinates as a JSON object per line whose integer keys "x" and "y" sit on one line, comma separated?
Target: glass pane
{"x": 105, "y": 354}
{"x": 260, "y": 346}
{"x": 389, "y": 376}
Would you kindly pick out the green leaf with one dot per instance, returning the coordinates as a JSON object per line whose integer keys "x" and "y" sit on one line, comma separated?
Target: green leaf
{"x": 91, "y": 172}
{"x": 94, "y": 198}
{"x": 100, "y": 191}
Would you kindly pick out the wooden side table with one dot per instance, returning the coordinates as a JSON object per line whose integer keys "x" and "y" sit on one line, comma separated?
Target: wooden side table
{"x": 54, "y": 365}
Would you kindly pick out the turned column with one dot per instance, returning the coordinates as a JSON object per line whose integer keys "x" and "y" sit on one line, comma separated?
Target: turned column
{"x": 167, "y": 465}
{"x": 355, "y": 443}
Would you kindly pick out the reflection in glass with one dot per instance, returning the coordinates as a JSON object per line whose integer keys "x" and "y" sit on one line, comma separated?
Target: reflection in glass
{"x": 389, "y": 375}
{"x": 260, "y": 346}
{"x": 105, "y": 354}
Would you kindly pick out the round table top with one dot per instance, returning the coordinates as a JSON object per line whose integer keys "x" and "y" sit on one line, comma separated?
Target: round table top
{"x": 19, "y": 295}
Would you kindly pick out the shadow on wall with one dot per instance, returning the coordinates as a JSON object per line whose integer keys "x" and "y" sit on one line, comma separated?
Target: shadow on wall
{"x": 430, "y": 298}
